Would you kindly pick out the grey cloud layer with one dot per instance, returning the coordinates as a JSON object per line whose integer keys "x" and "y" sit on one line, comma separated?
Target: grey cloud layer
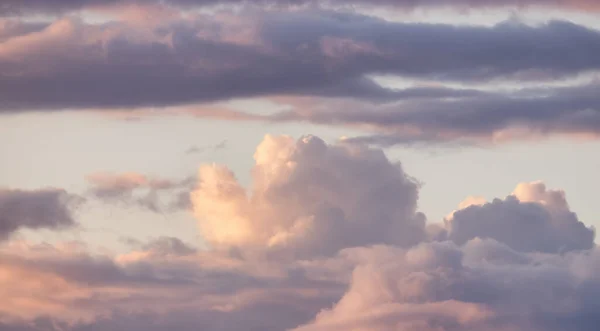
{"x": 309, "y": 199}
{"x": 305, "y": 53}
{"x": 19, "y": 7}
{"x": 49, "y": 209}
{"x": 472, "y": 119}
{"x": 192, "y": 290}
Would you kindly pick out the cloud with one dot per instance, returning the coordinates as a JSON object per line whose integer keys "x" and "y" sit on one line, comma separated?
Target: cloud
{"x": 134, "y": 189}
{"x": 480, "y": 286}
{"x": 14, "y": 28}
{"x": 476, "y": 120}
{"x": 39, "y": 209}
{"x": 164, "y": 246}
{"x": 23, "y": 7}
{"x": 67, "y": 287}
{"x": 326, "y": 237}
{"x": 196, "y": 149}
{"x": 313, "y": 53}
{"x": 308, "y": 198}
{"x": 531, "y": 219}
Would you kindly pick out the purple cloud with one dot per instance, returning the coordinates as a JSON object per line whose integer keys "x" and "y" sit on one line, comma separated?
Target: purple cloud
{"x": 72, "y": 65}
{"x": 41, "y": 209}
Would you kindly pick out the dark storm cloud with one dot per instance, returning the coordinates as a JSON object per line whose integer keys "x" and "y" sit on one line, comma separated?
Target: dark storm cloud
{"x": 48, "y": 209}
{"x": 307, "y": 53}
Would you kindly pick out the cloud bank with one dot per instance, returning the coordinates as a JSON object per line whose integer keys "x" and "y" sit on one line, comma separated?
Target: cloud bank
{"x": 104, "y": 55}
{"x": 482, "y": 285}
{"x": 326, "y": 237}
{"x": 299, "y": 53}
{"x": 157, "y": 57}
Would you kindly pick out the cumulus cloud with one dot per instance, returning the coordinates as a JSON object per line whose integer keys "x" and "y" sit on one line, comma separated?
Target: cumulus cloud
{"x": 134, "y": 189}
{"x": 326, "y": 237}
{"x": 482, "y": 285}
{"x": 532, "y": 219}
{"x": 38, "y": 209}
{"x": 308, "y": 198}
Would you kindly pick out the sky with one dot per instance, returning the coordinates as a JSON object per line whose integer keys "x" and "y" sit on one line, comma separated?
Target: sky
{"x": 303, "y": 165}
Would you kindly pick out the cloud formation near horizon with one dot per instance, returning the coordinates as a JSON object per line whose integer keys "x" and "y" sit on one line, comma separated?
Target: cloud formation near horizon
{"x": 327, "y": 237}
{"x": 318, "y": 235}
{"x": 133, "y": 189}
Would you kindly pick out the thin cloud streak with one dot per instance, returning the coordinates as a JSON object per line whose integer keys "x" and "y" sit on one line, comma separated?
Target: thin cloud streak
{"x": 25, "y": 7}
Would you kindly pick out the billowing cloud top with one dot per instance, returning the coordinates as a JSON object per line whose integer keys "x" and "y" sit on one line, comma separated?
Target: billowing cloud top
{"x": 308, "y": 198}
{"x": 542, "y": 217}
{"x": 327, "y": 237}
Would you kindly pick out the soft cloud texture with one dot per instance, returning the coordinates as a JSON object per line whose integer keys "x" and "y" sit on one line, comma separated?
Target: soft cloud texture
{"x": 40, "y": 209}
{"x": 68, "y": 287}
{"x": 155, "y": 56}
{"x": 327, "y": 237}
{"x": 482, "y": 285}
{"x": 308, "y": 198}
{"x": 477, "y": 119}
{"x": 122, "y": 64}
{"x": 134, "y": 189}
{"x": 20, "y": 7}
{"x": 187, "y": 64}
{"x": 531, "y": 219}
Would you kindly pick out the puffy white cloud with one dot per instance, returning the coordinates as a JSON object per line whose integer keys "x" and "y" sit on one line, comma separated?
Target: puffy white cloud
{"x": 532, "y": 218}
{"x": 308, "y": 198}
